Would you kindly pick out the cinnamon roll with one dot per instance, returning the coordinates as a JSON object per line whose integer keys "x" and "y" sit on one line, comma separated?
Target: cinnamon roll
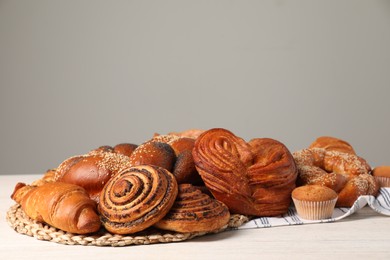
{"x": 137, "y": 198}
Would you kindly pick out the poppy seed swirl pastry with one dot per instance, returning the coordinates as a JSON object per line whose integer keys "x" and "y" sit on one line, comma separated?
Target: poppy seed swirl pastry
{"x": 137, "y": 198}
{"x": 254, "y": 178}
{"x": 194, "y": 211}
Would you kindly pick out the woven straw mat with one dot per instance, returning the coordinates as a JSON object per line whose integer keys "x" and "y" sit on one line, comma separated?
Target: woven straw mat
{"x": 22, "y": 224}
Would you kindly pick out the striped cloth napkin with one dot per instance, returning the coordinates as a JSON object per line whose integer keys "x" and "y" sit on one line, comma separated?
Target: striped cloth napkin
{"x": 380, "y": 204}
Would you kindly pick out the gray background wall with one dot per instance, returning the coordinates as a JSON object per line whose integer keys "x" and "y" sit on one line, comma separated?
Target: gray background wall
{"x": 75, "y": 75}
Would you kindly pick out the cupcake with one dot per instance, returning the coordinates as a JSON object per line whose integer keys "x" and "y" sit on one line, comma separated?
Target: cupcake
{"x": 314, "y": 202}
{"x": 382, "y": 175}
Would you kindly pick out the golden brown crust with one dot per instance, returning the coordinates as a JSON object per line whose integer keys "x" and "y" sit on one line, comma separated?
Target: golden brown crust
{"x": 363, "y": 184}
{"x": 339, "y": 171}
{"x": 49, "y": 176}
{"x": 332, "y": 144}
{"x": 125, "y": 148}
{"x": 153, "y": 153}
{"x": 137, "y": 198}
{"x": 61, "y": 205}
{"x": 171, "y": 152}
{"x": 314, "y": 193}
{"x": 194, "y": 211}
{"x": 254, "y": 178}
{"x": 191, "y": 133}
{"x": 381, "y": 171}
{"x": 91, "y": 171}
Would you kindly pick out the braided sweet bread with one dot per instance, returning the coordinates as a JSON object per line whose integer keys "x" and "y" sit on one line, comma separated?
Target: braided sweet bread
{"x": 254, "y": 178}
{"x": 346, "y": 173}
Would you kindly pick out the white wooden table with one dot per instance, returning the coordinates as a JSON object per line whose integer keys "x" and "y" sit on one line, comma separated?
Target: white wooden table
{"x": 364, "y": 235}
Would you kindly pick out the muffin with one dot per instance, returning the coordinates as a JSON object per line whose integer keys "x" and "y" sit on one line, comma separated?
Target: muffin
{"x": 314, "y": 202}
{"x": 382, "y": 175}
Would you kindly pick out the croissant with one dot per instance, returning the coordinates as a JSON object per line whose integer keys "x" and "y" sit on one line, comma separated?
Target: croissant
{"x": 61, "y": 205}
{"x": 137, "y": 198}
{"x": 254, "y": 178}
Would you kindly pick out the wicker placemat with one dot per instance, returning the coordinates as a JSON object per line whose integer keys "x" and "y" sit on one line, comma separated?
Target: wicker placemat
{"x": 22, "y": 224}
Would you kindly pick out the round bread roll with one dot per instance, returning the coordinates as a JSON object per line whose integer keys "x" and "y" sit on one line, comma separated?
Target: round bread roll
{"x": 171, "y": 152}
{"x": 91, "y": 171}
{"x": 154, "y": 153}
{"x": 125, "y": 148}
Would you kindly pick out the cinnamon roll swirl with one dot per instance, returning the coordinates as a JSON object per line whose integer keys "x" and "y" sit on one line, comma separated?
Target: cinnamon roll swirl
{"x": 194, "y": 211}
{"x": 254, "y": 178}
{"x": 137, "y": 198}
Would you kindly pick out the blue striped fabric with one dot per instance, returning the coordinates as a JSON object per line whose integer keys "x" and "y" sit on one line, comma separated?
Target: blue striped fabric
{"x": 380, "y": 204}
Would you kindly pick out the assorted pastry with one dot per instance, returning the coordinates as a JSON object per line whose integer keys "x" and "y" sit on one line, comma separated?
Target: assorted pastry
{"x": 193, "y": 181}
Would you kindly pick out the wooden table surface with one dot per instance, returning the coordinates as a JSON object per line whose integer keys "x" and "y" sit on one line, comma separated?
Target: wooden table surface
{"x": 363, "y": 235}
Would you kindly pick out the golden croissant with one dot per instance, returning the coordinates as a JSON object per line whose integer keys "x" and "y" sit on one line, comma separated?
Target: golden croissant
{"x": 61, "y": 205}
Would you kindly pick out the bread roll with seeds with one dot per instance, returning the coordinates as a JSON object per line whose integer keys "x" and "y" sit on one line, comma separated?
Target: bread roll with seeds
{"x": 345, "y": 173}
{"x": 153, "y": 153}
{"x": 91, "y": 171}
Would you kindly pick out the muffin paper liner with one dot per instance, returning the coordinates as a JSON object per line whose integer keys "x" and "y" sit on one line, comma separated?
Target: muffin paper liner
{"x": 384, "y": 182}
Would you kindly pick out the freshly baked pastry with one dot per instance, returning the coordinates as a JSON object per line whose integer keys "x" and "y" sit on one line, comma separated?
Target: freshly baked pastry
{"x": 47, "y": 177}
{"x": 122, "y": 148}
{"x": 314, "y": 202}
{"x": 91, "y": 171}
{"x": 191, "y": 133}
{"x": 382, "y": 175}
{"x": 194, "y": 211}
{"x": 171, "y": 152}
{"x": 61, "y": 205}
{"x": 153, "y": 153}
{"x": 332, "y": 144}
{"x": 137, "y": 198}
{"x": 125, "y": 148}
{"x": 254, "y": 178}
{"x": 363, "y": 184}
{"x": 337, "y": 171}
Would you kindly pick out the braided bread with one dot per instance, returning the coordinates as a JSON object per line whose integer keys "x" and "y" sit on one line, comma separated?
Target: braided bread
{"x": 345, "y": 173}
{"x": 254, "y": 178}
